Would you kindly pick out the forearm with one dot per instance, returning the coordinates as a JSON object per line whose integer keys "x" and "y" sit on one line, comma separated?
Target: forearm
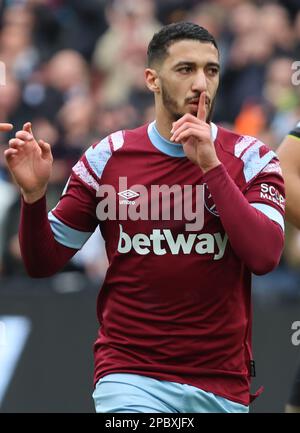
{"x": 42, "y": 254}
{"x": 256, "y": 240}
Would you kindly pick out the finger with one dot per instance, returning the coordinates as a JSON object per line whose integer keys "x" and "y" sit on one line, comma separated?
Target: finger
{"x": 185, "y": 126}
{"x": 201, "y": 113}
{"x": 5, "y": 127}
{"x": 190, "y": 132}
{"x": 186, "y": 118}
{"x": 16, "y": 143}
{"x": 27, "y": 127}
{"x": 9, "y": 153}
{"x": 45, "y": 147}
{"x": 24, "y": 135}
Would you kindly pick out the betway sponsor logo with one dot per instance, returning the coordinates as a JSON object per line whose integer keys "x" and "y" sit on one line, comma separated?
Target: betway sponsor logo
{"x": 269, "y": 192}
{"x": 161, "y": 242}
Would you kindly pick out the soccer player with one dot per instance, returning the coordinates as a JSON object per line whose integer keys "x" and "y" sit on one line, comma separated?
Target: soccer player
{"x": 289, "y": 155}
{"x": 175, "y": 307}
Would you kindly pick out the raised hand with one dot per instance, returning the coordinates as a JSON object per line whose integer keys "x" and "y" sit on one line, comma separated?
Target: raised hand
{"x": 194, "y": 133}
{"x": 30, "y": 163}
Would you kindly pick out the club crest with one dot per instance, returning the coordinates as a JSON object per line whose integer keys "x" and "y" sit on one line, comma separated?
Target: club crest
{"x": 209, "y": 203}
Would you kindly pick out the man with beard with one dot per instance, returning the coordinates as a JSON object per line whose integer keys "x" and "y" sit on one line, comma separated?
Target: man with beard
{"x": 175, "y": 307}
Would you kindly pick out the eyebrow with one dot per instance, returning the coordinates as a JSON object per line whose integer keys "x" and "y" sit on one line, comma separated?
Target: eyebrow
{"x": 187, "y": 63}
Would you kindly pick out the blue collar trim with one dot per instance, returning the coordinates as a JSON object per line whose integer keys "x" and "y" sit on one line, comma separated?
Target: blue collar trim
{"x": 168, "y": 147}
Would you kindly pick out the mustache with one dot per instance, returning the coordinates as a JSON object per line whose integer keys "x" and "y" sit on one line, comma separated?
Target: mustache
{"x": 195, "y": 99}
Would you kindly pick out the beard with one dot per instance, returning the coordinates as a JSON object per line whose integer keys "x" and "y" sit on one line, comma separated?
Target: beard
{"x": 170, "y": 104}
{"x": 173, "y": 109}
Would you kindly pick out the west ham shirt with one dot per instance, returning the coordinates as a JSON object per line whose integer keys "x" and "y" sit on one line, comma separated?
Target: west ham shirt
{"x": 176, "y": 301}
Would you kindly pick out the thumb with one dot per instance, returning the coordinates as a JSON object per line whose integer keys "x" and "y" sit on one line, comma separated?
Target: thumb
{"x": 27, "y": 127}
{"x": 45, "y": 148}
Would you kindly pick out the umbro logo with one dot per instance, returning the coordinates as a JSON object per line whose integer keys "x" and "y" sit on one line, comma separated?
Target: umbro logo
{"x": 128, "y": 194}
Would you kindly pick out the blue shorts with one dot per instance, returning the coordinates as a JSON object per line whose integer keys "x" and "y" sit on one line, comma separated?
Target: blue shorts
{"x": 124, "y": 393}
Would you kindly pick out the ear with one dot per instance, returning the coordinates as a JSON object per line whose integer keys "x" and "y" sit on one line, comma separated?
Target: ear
{"x": 152, "y": 80}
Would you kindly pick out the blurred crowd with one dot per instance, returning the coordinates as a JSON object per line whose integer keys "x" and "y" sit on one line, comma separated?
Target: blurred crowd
{"x": 75, "y": 70}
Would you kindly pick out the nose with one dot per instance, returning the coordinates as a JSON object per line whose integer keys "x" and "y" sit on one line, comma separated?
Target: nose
{"x": 200, "y": 84}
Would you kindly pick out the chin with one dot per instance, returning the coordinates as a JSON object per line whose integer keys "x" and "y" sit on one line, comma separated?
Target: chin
{"x": 192, "y": 111}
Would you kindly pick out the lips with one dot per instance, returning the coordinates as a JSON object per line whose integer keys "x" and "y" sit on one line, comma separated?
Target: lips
{"x": 196, "y": 101}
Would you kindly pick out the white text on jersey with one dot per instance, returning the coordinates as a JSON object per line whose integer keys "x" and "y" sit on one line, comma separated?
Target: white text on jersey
{"x": 159, "y": 240}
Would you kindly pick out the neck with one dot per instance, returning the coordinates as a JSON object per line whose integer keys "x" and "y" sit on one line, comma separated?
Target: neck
{"x": 164, "y": 128}
{"x": 163, "y": 123}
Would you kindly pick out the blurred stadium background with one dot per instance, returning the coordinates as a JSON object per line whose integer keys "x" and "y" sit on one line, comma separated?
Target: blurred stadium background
{"x": 75, "y": 69}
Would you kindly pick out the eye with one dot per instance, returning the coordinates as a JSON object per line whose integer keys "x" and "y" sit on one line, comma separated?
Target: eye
{"x": 185, "y": 69}
{"x": 212, "y": 71}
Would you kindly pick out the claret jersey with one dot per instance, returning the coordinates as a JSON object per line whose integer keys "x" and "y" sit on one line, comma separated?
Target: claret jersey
{"x": 176, "y": 301}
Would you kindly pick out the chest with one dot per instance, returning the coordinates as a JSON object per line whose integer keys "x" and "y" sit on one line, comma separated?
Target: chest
{"x": 155, "y": 193}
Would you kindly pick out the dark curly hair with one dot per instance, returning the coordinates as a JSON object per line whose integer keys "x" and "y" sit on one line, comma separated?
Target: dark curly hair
{"x": 161, "y": 41}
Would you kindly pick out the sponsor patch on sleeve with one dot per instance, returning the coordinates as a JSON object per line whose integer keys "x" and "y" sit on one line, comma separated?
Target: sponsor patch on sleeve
{"x": 270, "y": 193}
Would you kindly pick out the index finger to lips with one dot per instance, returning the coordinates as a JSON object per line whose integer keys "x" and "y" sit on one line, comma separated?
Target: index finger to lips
{"x": 201, "y": 114}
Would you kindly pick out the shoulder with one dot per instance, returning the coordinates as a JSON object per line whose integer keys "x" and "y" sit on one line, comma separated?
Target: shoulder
{"x": 113, "y": 143}
{"x": 91, "y": 165}
{"x": 254, "y": 155}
